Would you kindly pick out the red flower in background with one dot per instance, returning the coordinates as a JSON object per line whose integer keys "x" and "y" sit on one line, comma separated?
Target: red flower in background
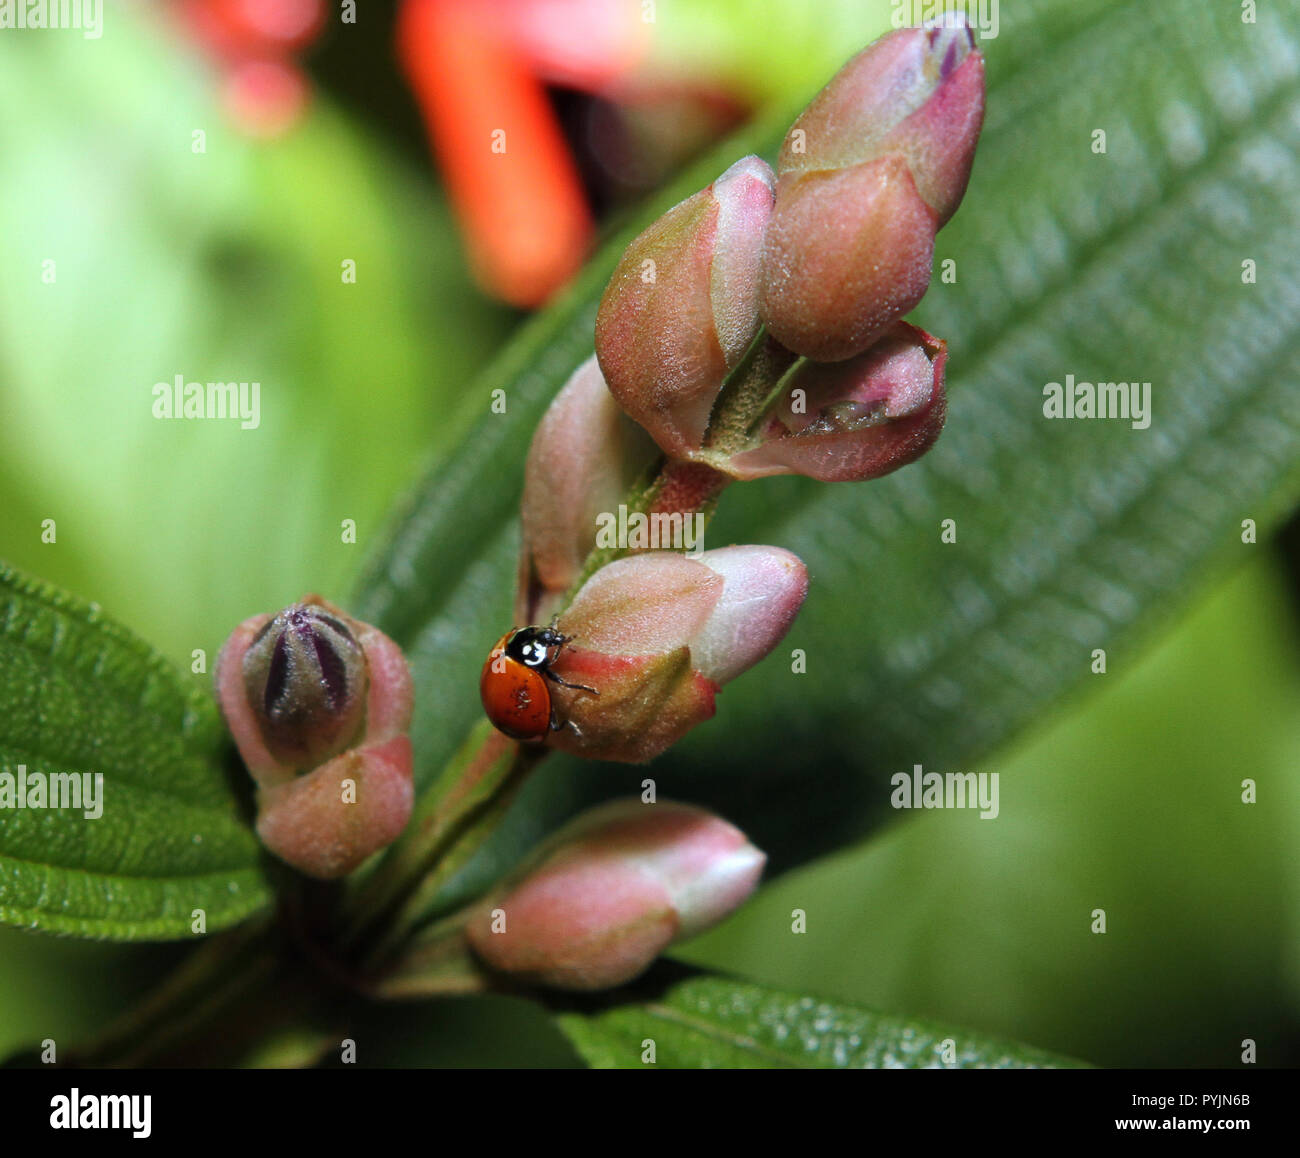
{"x": 480, "y": 74}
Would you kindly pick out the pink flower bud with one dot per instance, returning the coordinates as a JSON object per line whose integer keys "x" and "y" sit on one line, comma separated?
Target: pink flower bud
{"x": 657, "y": 635}
{"x": 319, "y": 705}
{"x": 585, "y": 454}
{"x": 854, "y": 420}
{"x": 681, "y": 308}
{"x": 848, "y": 253}
{"x": 918, "y": 92}
{"x": 609, "y": 892}
{"x": 763, "y": 589}
{"x": 868, "y": 173}
{"x": 326, "y": 822}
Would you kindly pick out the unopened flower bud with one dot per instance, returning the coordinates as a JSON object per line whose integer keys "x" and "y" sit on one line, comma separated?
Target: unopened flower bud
{"x": 326, "y": 822}
{"x": 918, "y": 92}
{"x": 306, "y": 675}
{"x": 600, "y": 900}
{"x": 848, "y": 253}
{"x": 681, "y": 308}
{"x": 585, "y": 454}
{"x": 319, "y": 705}
{"x": 875, "y": 165}
{"x": 854, "y": 420}
{"x": 657, "y": 635}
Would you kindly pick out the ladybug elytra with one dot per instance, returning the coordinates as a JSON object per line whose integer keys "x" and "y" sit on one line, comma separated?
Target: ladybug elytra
{"x": 516, "y": 696}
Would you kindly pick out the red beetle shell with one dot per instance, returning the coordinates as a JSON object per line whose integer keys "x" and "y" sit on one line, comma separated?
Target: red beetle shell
{"x": 515, "y": 696}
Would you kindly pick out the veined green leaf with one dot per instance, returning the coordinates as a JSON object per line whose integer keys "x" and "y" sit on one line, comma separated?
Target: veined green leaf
{"x": 87, "y": 708}
{"x": 716, "y": 1023}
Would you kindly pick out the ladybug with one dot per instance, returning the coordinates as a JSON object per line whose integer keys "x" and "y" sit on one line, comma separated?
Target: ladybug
{"x": 514, "y": 687}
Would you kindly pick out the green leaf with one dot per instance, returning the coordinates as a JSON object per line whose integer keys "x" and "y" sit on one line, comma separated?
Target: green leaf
{"x": 1131, "y": 801}
{"x": 1071, "y": 535}
{"x": 712, "y": 1022}
{"x": 80, "y": 695}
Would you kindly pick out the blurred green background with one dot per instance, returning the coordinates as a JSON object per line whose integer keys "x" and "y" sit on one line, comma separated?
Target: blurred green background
{"x": 226, "y": 265}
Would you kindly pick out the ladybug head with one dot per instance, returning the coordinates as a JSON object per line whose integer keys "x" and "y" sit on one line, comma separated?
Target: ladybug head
{"x": 533, "y": 646}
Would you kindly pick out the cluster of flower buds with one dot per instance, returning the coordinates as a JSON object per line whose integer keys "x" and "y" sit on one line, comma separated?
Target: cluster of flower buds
{"x": 609, "y": 892}
{"x": 755, "y": 329}
{"x": 719, "y": 324}
{"x": 319, "y": 705}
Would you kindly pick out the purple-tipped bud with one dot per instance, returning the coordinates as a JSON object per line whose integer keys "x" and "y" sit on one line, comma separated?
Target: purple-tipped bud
{"x": 854, "y": 420}
{"x": 681, "y": 308}
{"x": 657, "y": 635}
{"x": 305, "y": 675}
{"x": 584, "y": 455}
{"x": 600, "y": 900}
{"x": 868, "y": 173}
{"x": 319, "y": 705}
{"x": 918, "y": 92}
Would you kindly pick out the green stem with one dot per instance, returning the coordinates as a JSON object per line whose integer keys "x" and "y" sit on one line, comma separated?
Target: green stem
{"x": 637, "y": 500}
{"x": 437, "y": 961}
{"x": 747, "y": 395}
{"x": 212, "y": 983}
{"x": 475, "y": 825}
{"x": 455, "y": 816}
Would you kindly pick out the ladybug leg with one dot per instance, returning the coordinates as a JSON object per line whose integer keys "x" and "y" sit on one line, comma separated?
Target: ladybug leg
{"x": 550, "y": 675}
{"x": 558, "y": 726}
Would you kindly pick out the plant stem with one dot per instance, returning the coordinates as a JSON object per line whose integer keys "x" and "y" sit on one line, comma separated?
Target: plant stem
{"x": 211, "y": 993}
{"x": 456, "y": 815}
{"x": 747, "y": 394}
{"x": 436, "y": 962}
